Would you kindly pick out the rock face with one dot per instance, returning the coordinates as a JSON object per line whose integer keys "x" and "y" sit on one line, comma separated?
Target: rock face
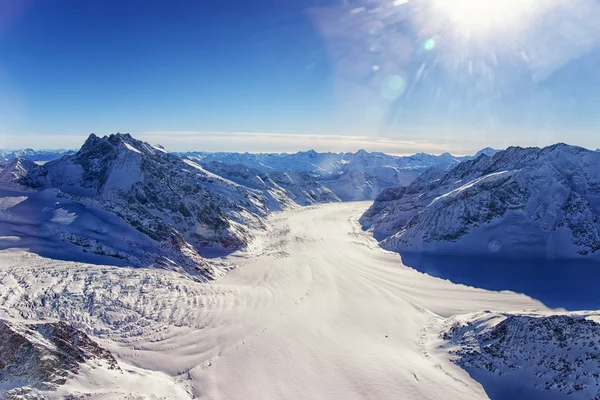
{"x": 521, "y": 202}
{"x": 532, "y": 356}
{"x": 44, "y": 355}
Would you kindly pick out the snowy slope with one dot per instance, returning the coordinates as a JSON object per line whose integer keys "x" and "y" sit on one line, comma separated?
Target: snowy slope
{"x": 53, "y": 360}
{"x": 520, "y": 202}
{"x": 314, "y": 310}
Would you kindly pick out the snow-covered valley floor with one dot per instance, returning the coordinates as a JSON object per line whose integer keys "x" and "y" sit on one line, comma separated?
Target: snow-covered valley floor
{"x": 314, "y": 310}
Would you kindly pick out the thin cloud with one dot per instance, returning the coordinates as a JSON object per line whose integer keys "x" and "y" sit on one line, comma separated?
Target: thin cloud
{"x": 256, "y": 142}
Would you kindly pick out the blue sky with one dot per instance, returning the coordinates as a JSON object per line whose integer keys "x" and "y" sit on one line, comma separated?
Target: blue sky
{"x": 397, "y": 76}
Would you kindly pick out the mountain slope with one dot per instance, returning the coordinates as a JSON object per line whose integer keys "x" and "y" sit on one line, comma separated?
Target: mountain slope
{"x": 23, "y": 174}
{"x": 519, "y": 202}
{"x": 45, "y": 355}
{"x": 528, "y": 356}
{"x": 281, "y": 188}
{"x": 97, "y": 198}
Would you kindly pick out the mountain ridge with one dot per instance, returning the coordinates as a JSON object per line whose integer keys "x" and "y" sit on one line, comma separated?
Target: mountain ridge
{"x": 549, "y": 198}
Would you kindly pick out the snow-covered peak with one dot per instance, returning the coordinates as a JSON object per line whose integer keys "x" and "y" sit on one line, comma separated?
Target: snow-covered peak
{"x": 96, "y": 146}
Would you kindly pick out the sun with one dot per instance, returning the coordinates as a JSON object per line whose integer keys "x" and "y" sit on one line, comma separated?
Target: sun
{"x": 485, "y": 16}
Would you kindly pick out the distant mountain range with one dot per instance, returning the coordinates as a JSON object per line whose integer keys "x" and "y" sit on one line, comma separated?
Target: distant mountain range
{"x": 41, "y": 156}
{"x": 351, "y": 176}
{"x": 519, "y": 202}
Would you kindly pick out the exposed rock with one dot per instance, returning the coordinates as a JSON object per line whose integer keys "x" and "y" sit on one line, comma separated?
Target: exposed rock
{"x": 45, "y": 355}
{"x": 550, "y": 354}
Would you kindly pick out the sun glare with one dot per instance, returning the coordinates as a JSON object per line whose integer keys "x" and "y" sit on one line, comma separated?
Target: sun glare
{"x": 485, "y": 16}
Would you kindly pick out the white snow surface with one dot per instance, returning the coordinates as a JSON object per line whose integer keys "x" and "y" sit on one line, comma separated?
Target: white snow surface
{"x": 314, "y": 310}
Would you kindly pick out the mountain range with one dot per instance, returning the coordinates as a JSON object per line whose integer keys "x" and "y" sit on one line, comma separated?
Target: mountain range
{"x": 40, "y": 156}
{"x": 119, "y": 201}
{"x": 350, "y": 176}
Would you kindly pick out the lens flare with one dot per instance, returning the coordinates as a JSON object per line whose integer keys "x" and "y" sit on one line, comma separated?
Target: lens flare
{"x": 393, "y": 87}
{"x": 429, "y": 44}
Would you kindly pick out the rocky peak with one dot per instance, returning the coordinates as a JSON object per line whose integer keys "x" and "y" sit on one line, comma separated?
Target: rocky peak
{"x": 95, "y": 146}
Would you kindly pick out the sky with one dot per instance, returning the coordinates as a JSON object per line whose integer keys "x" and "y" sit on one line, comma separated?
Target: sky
{"x": 399, "y": 76}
